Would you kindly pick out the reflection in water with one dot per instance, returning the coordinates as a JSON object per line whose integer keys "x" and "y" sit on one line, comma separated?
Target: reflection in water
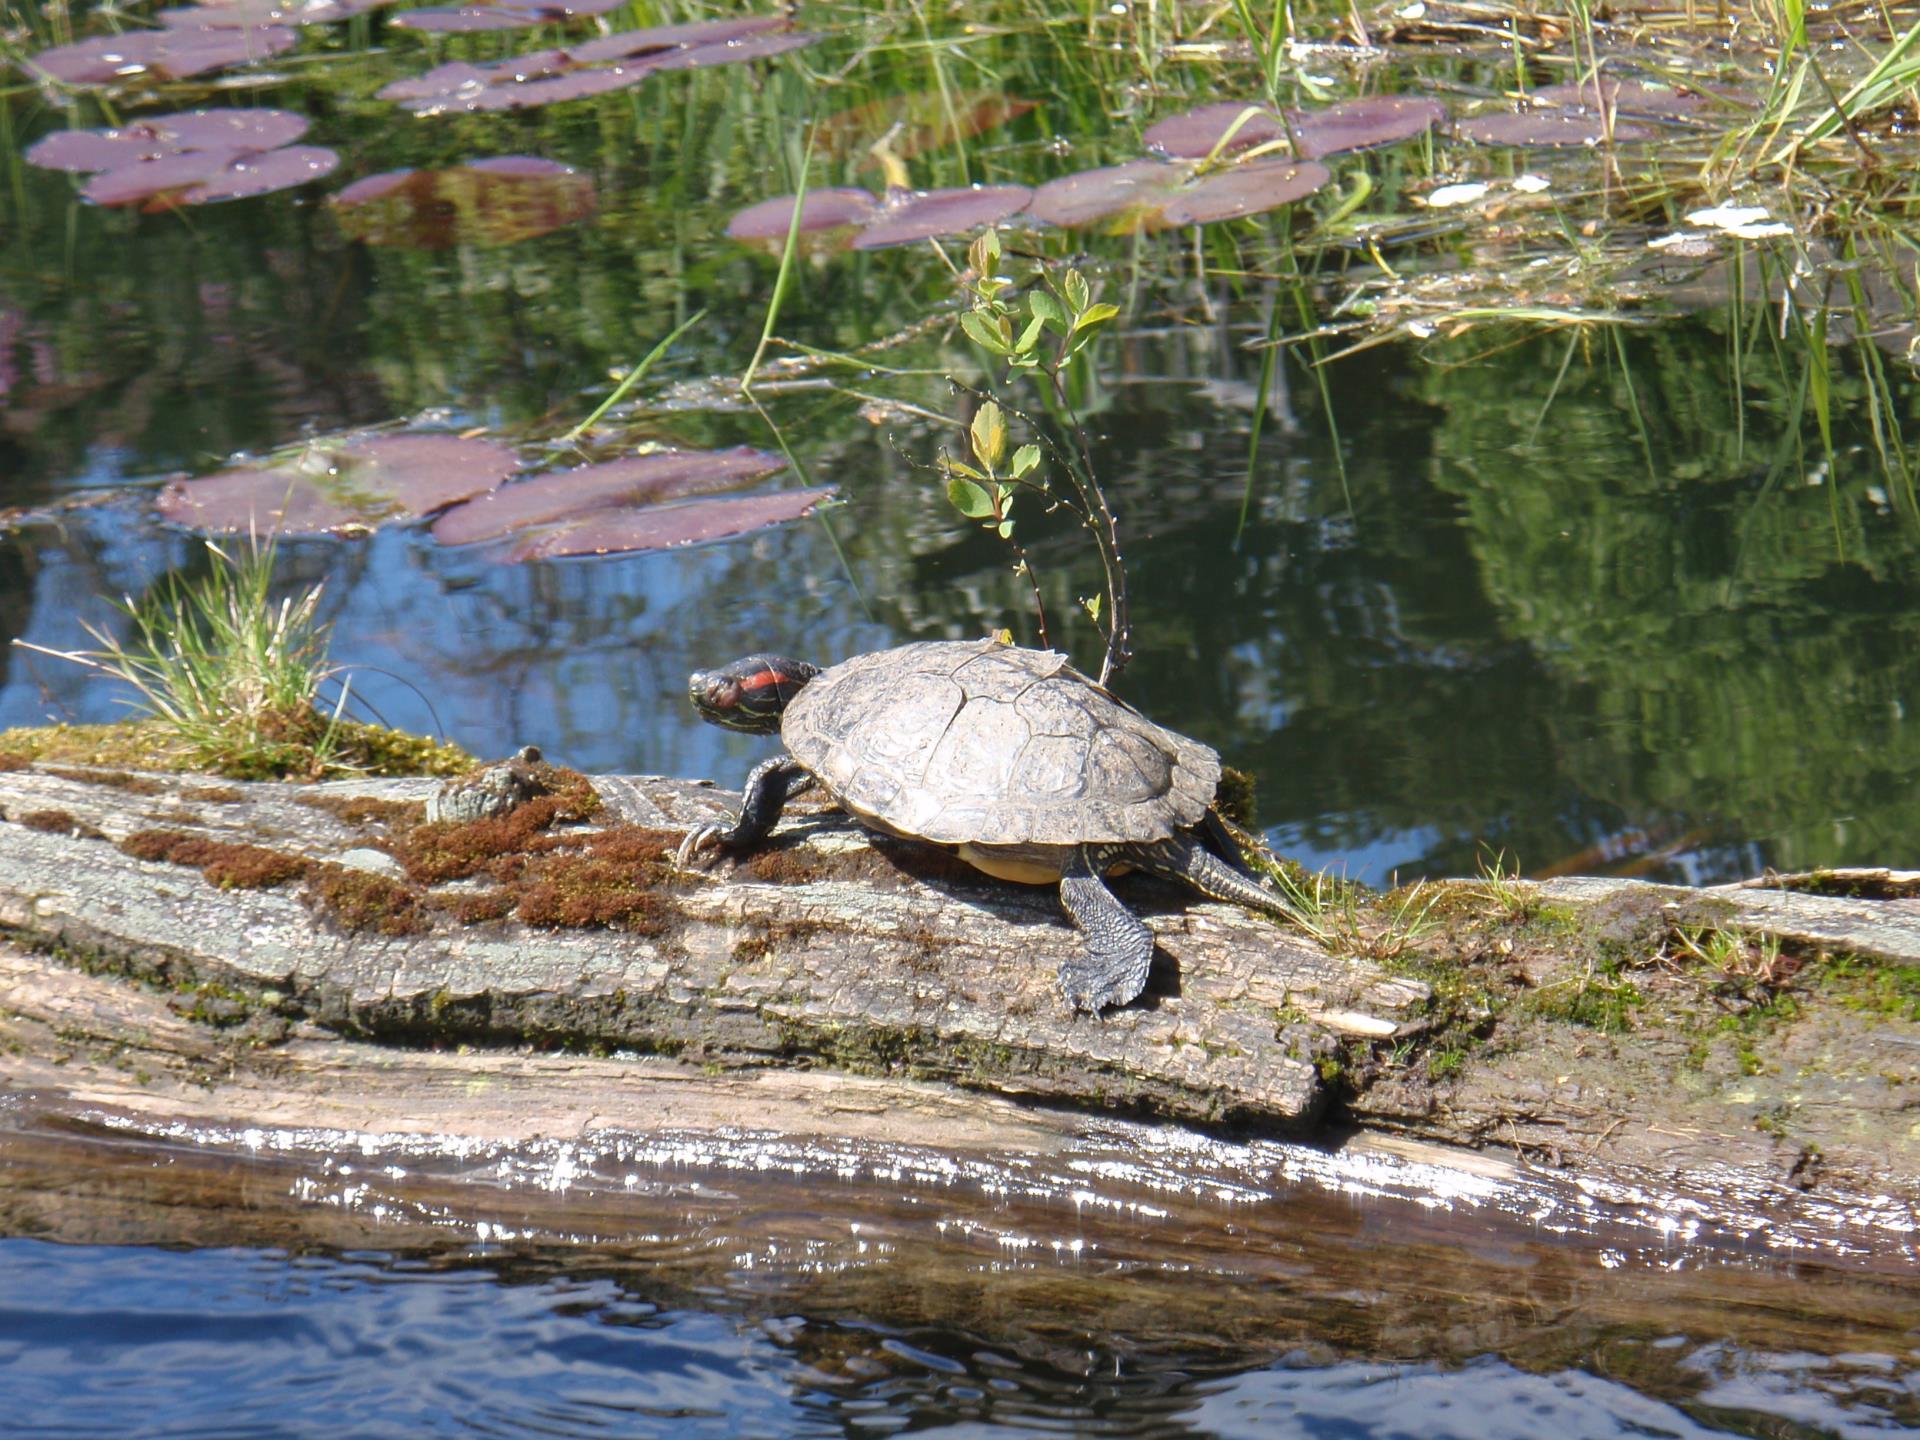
{"x": 241, "y": 1342}
{"x": 752, "y": 1285}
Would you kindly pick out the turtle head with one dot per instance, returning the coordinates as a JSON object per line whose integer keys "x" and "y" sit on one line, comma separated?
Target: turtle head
{"x": 749, "y": 694}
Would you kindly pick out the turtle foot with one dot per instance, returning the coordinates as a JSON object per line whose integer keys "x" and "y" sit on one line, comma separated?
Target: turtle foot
{"x": 701, "y": 837}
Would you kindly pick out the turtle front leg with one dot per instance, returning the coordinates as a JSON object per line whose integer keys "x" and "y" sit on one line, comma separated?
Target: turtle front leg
{"x": 1113, "y": 968}
{"x": 769, "y": 786}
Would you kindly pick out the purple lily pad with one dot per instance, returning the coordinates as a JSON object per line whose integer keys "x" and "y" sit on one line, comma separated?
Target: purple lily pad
{"x": 629, "y": 43}
{"x": 250, "y": 14}
{"x": 1544, "y": 127}
{"x": 485, "y": 202}
{"x": 575, "y": 495}
{"x": 358, "y": 485}
{"x": 157, "y": 135}
{"x": 665, "y": 527}
{"x": 172, "y": 54}
{"x": 594, "y": 67}
{"x": 1358, "y": 124}
{"x": 200, "y": 177}
{"x": 1156, "y": 195}
{"x": 921, "y": 215}
{"x": 1363, "y": 124}
{"x": 820, "y": 210}
{"x": 1627, "y": 97}
{"x": 1192, "y": 134}
{"x": 500, "y": 15}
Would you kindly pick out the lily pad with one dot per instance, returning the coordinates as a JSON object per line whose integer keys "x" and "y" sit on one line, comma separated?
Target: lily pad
{"x": 1192, "y": 134}
{"x": 1544, "y": 127}
{"x": 357, "y": 485}
{"x": 156, "y": 135}
{"x": 594, "y": 67}
{"x": 901, "y": 218}
{"x": 908, "y": 217}
{"x": 1361, "y": 124}
{"x": 664, "y": 527}
{"x": 1627, "y": 97}
{"x": 168, "y": 54}
{"x": 200, "y": 177}
{"x": 500, "y": 15}
{"x": 574, "y": 495}
{"x": 485, "y": 202}
{"x": 1157, "y": 195}
{"x": 820, "y": 210}
{"x": 1364, "y": 124}
{"x": 250, "y": 14}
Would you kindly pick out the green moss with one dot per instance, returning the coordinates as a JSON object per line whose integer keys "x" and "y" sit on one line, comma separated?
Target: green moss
{"x": 1887, "y": 989}
{"x": 151, "y": 745}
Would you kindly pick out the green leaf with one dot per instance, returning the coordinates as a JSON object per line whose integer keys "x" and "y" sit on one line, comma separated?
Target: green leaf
{"x": 982, "y": 332}
{"x": 1046, "y": 308}
{"x": 1095, "y": 315}
{"x": 1024, "y": 460}
{"x": 989, "y": 433}
{"x": 984, "y": 254}
{"x": 960, "y": 467}
{"x": 1027, "y": 336}
{"x": 1091, "y": 604}
{"x": 1005, "y": 527}
{"x": 1074, "y": 288}
{"x": 969, "y": 499}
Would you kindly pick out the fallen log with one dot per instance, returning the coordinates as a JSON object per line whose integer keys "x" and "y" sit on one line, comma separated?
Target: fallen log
{"x": 1769, "y": 1036}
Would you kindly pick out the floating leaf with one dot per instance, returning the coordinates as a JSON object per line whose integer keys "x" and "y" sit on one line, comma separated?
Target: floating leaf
{"x": 914, "y": 124}
{"x": 1193, "y": 134}
{"x": 171, "y": 54}
{"x": 157, "y": 135}
{"x": 902, "y": 218}
{"x": 911, "y": 216}
{"x": 1544, "y": 127}
{"x": 571, "y": 495}
{"x": 820, "y": 210}
{"x": 1360, "y": 124}
{"x": 663, "y": 527}
{"x": 356, "y": 485}
{"x": 1155, "y": 195}
{"x": 250, "y": 14}
{"x": 1627, "y": 97}
{"x": 485, "y": 202}
{"x": 199, "y": 177}
{"x": 594, "y": 67}
{"x": 1363, "y": 124}
{"x": 500, "y": 15}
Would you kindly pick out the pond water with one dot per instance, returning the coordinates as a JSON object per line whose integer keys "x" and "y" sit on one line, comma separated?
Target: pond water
{"x": 1578, "y": 595}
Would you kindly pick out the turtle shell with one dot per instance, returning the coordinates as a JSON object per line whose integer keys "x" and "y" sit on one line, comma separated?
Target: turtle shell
{"x": 978, "y": 742}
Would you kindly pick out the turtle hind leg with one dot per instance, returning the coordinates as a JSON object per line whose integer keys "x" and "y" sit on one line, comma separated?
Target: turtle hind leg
{"x": 1183, "y": 858}
{"x": 1112, "y": 969}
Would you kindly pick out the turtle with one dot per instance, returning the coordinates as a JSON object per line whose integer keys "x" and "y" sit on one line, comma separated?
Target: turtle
{"x": 1025, "y": 767}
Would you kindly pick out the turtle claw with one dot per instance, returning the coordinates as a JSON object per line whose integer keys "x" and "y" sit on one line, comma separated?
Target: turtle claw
{"x": 697, "y": 839}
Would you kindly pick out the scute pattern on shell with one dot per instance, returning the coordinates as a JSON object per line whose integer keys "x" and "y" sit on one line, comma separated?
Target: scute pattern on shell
{"x": 957, "y": 741}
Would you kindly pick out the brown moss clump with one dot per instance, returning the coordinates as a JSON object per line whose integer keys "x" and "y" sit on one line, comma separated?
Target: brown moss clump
{"x": 787, "y": 867}
{"x": 588, "y": 891}
{"x": 442, "y": 850}
{"x": 229, "y": 866}
{"x": 360, "y": 900}
{"x": 117, "y": 779}
{"x": 477, "y": 907}
{"x": 366, "y": 809}
{"x": 11, "y": 761}
{"x": 215, "y": 794}
{"x": 60, "y": 822}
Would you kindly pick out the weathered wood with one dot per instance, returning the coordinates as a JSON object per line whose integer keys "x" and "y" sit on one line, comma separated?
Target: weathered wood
{"x": 865, "y": 967}
{"x": 889, "y": 968}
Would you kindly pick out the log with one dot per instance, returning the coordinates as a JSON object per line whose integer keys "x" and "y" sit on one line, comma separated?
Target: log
{"x": 841, "y": 974}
